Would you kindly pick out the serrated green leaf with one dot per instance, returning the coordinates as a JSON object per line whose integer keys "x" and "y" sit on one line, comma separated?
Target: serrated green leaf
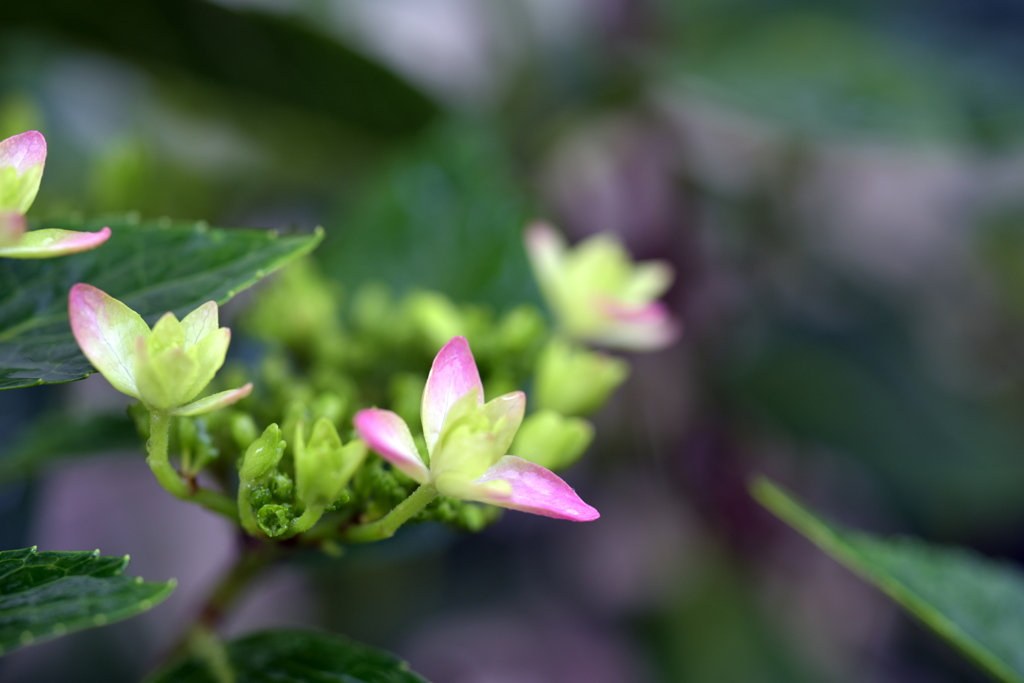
{"x": 974, "y": 603}
{"x": 291, "y": 656}
{"x": 44, "y": 595}
{"x": 152, "y": 266}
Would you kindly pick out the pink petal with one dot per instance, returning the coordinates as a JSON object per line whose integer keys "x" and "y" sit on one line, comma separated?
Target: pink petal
{"x": 49, "y": 243}
{"x": 535, "y": 490}
{"x": 452, "y": 376}
{"x": 12, "y": 227}
{"x": 107, "y": 331}
{"x": 23, "y": 151}
{"x": 639, "y": 328}
{"x": 214, "y": 402}
{"x": 546, "y": 250}
{"x": 387, "y": 433}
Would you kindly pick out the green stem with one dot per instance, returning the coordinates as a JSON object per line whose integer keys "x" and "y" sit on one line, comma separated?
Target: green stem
{"x": 386, "y": 526}
{"x": 305, "y": 521}
{"x": 159, "y": 462}
{"x": 209, "y": 648}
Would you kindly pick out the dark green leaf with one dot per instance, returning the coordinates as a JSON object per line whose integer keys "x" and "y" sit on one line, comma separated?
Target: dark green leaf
{"x": 821, "y": 71}
{"x": 45, "y": 595}
{"x": 948, "y": 463}
{"x": 256, "y": 53}
{"x": 448, "y": 217}
{"x": 974, "y": 603}
{"x": 59, "y": 437}
{"x": 288, "y": 656}
{"x": 152, "y": 266}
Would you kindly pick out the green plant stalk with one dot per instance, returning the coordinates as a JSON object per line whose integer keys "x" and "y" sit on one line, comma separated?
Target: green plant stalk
{"x": 159, "y": 462}
{"x": 386, "y": 526}
{"x": 305, "y": 521}
{"x": 209, "y": 648}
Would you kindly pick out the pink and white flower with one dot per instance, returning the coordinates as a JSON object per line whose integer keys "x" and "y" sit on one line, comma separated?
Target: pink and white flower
{"x": 467, "y": 441}
{"x": 166, "y": 367}
{"x": 22, "y": 158}
{"x": 598, "y": 294}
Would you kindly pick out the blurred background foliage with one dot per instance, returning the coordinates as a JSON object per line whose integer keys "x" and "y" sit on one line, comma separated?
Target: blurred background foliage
{"x": 837, "y": 183}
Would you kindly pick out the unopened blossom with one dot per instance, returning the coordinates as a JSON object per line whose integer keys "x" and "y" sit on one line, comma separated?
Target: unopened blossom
{"x": 22, "y": 158}
{"x": 165, "y": 367}
{"x": 598, "y": 294}
{"x": 467, "y": 441}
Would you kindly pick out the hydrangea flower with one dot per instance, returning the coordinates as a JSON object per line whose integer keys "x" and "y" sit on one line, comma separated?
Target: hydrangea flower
{"x": 467, "y": 441}
{"x": 22, "y": 158}
{"x": 166, "y": 367}
{"x": 598, "y": 294}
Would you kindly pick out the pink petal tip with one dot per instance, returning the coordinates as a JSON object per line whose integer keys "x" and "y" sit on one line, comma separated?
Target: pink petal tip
{"x": 387, "y": 434}
{"x": 23, "y": 151}
{"x": 452, "y": 375}
{"x": 537, "y": 490}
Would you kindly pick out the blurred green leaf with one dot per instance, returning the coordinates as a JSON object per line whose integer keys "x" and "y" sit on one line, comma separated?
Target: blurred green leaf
{"x": 448, "y": 217}
{"x": 289, "y": 656}
{"x": 59, "y": 437}
{"x": 716, "y": 630}
{"x": 269, "y": 55}
{"x": 835, "y": 70}
{"x": 950, "y": 463}
{"x": 974, "y": 603}
{"x": 45, "y": 595}
{"x": 153, "y": 267}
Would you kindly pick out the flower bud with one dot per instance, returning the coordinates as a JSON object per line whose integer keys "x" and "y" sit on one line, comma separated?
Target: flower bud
{"x": 573, "y": 381}
{"x": 323, "y": 466}
{"x": 598, "y": 294}
{"x": 551, "y": 440}
{"x": 166, "y": 367}
{"x": 22, "y": 158}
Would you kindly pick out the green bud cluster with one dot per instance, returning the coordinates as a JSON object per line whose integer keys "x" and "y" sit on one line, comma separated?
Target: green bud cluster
{"x": 291, "y": 440}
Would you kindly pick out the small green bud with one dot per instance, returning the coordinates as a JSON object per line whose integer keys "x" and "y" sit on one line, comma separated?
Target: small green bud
{"x": 323, "y": 467}
{"x": 260, "y": 496}
{"x": 296, "y": 416}
{"x": 197, "y": 447}
{"x": 274, "y": 520}
{"x": 573, "y": 381}
{"x": 520, "y": 329}
{"x": 298, "y": 308}
{"x": 372, "y": 309}
{"x": 282, "y": 487}
{"x": 330, "y": 406}
{"x": 473, "y": 517}
{"x": 551, "y": 440}
{"x": 259, "y": 462}
{"x": 344, "y": 499}
{"x": 435, "y": 316}
{"x": 406, "y": 391}
{"x": 243, "y": 429}
{"x": 262, "y": 456}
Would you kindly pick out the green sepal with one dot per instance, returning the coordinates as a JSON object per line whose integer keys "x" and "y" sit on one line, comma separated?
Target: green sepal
{"x": 574, "y": 381}
{"x": 18, "y": 191}
{"x": 552, "y": 440}
{"x": 259, "y": 462}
